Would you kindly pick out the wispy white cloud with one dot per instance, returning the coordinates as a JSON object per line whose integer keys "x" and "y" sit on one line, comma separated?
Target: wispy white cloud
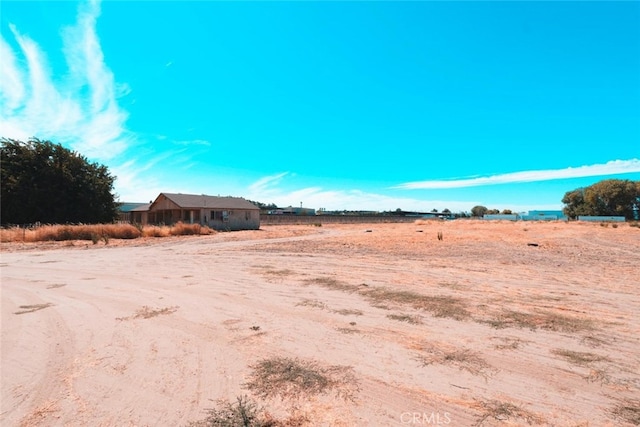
{"x": 271, "y": 189}
{"x": 192, "y": 142}
{"x": 266, "y": 184}
{"x": 614, "y": 167}
{"x": 79, "y": 110}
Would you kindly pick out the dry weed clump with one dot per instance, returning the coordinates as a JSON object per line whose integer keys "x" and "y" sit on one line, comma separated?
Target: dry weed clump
{"x": 628, "y": 410}
{"x": 156, "y": 231}
{"x": 579, "y": 358}
{"x": 244, "y": 412}
{"x": 182, "y": 229}
{"x": 294, "y": 378}
{"x": 178, "y": 229}
{"x": 312, "y": 303}
{"x": 412, "y": 319}
{"x": 546, "y": 320}
{"x": 464, "y": 359}
{"x": 147, "y": 312}
{"x": 506, "y": 411}
{"x": 32, "y": 307}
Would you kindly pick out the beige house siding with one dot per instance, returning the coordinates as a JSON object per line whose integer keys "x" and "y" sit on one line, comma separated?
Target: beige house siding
{"x": 236, "y": 219}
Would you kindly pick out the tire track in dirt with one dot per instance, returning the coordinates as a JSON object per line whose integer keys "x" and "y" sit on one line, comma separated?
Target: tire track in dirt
{"x": 40, "y": 390}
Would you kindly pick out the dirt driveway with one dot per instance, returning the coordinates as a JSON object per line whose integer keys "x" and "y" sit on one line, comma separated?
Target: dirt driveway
{"x": 495, "y": 324}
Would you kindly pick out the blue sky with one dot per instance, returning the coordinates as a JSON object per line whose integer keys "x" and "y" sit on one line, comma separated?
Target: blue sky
{"x": 337, "y": 105}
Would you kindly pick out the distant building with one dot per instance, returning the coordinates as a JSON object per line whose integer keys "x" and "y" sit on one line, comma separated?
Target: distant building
{"x": 505, "y": 217}
{"x": 544, "y": 216}
{"x": 439, "y": 215}
{"x": 292, "y": 211}
{"x": 125, "y": 211}
{"x": 601, "y": 218}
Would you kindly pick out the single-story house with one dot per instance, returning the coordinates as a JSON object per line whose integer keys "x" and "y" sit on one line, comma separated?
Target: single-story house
{"x": 125, "y": 211}
{"x": 140, "y": 214}
{"x": 219, "y": 213}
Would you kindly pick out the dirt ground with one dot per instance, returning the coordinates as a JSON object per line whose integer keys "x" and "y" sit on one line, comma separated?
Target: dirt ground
{"x": 498, "y": 323}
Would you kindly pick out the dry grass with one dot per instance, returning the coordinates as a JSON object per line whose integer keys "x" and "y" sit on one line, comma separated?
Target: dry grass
{"x": 295, "y": 378}
{"x": 412, "y": 319}
{"x": 91, "y": 232}
{"x": 182, "y": 229}
{"x": 578, "y": 357}
{"x": 598, "y": 376}
{"x": 244, "y": 412}
{"x": 464, "y": 359}
{"x": 508, "y": 343}
{"x": 96, "y": 232}
{"x": 147, "y": 312}
{"x": 506, "y": 411}
{"x": 348, "y": 330}
{"x": 271, "y": 273}
{"x": 156, "y": 231}
{"x": 429, "y": 221}
{"x": 437, "y": 305}
{"x": 331, "y": 283}
{"x": 33, "y": 307}
{"x": 348, "y": 312}
{"x": 544, "y": 320}
{"x": 628, "y": 410}
{"x": 312, "y": 303}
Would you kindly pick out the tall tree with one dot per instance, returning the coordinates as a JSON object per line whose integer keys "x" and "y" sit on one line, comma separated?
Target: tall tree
{"x": 45, "y": 182}
{"x": 618, "y": 197}
{"x": 479, "y": 211}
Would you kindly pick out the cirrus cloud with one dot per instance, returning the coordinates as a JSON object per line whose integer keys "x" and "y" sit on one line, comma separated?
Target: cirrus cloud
{"x": 614, "y": 167}
{"x": 79, "y": 110}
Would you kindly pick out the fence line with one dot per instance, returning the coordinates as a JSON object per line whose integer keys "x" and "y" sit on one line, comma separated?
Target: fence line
{"x": 266, "y": 219}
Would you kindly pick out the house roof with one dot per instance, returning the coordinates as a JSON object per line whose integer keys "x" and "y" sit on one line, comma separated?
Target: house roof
{"x": 209, "y": 202}
{"x": 128, "y": 207}
{"x": 142, "y": 207}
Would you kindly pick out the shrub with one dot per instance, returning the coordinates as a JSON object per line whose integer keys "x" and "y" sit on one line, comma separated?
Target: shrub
{"x": 242, "y": 413}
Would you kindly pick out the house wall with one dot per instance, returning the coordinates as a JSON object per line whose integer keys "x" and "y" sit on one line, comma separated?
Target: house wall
{"x": 140, "y": 217}
{"x": 232, "y": 220}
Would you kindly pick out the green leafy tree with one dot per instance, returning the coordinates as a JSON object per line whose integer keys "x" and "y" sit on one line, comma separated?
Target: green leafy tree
{"x": 574, "y": 203}
{"x": 619, "y": 197}
{"x": 478, "y": 211}
{"x": 45, "y": 182}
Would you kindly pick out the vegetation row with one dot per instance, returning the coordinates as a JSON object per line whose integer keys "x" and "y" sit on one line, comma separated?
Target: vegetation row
{"x": 98, "y": 232}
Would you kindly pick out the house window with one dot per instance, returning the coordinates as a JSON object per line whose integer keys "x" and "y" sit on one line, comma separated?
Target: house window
{"x": 225, "y": 216}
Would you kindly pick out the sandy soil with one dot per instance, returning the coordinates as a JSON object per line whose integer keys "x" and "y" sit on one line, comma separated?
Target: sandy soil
{"x": 480, "y": 328}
